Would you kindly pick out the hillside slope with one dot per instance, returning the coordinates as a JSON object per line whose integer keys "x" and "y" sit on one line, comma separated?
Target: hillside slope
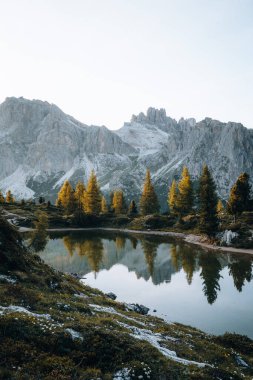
{"x": 51, "y": 326}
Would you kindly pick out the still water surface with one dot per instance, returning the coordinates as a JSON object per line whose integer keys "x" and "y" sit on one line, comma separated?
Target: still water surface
{"x": 208, "y": 290}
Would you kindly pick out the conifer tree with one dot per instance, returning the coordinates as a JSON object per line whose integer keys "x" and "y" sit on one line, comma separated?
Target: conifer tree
{"x": 132, "y": 210}
{"x": 39, "y": 236}
{"x": 2, "y": 200}
{"x": 207, "y": 203}
{"x": 118, "y": 202}
{"x": 66, "y": 197}
{"x": 239, "y": 199}
{"x": 184, "y": 198}
{"x": 220, "y": 207}
{"x": 172, "y": 197}
{"x": 92, "y": 195}
{"x": 79, "y": 196}
{"x": 111, "y": 200}
{"x": 104, "y": 208}
{"x": 149, "y": 202}
{"x": 9, "y": 197}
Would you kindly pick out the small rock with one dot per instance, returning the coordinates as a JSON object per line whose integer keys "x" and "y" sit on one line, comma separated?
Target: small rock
{"x": 111, "y": 295}
{"x": 154, "y": 311}
{"x": 141, "y": 309}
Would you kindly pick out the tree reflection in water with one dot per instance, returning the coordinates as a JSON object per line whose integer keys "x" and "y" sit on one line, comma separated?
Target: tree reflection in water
{"x": 181, "y": 256}
{"x": 149, "y": 248}
{"x": 91, "y": 248}
{"x": 210, "y": 273}
{"x": 241, "y": 270}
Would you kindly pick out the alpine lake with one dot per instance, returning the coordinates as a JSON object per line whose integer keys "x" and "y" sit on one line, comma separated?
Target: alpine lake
{"x": 179, "y": 282}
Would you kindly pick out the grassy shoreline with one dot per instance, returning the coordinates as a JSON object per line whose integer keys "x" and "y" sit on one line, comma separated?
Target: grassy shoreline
{"x": 54, "y": 327}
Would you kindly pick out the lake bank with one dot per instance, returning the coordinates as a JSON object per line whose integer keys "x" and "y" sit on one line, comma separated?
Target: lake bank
{"x": 187, "y": 238}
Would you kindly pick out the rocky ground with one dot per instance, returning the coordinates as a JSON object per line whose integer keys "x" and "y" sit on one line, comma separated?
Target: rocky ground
{"x": 53, "y": 327}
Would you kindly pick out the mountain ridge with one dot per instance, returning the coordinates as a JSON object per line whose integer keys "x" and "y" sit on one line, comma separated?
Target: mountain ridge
{"x": 41, "y": 146}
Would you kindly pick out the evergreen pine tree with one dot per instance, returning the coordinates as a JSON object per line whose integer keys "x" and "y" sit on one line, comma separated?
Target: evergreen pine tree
{"x": 9, "y": 197}
{"x": 184, "y": 198}
{"x": 104, "y": 208}
{"x": 2, "y": 200}
{"x": 239, "y": 199}
{"x": 207, "y": 203}
{"x": 132, "y": 210}
{"x": 172, "y": 197}
{"x": 149, "y": 202}
{"x": 92, "y": 196}
{"x": 66, "y": 197}
{"x": 118, "y": 202}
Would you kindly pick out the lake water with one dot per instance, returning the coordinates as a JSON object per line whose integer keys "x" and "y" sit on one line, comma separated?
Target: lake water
{"x": 184, "y": 283}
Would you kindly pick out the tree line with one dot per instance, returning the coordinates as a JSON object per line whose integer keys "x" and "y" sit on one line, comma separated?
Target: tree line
{"x": 183, "y": 199}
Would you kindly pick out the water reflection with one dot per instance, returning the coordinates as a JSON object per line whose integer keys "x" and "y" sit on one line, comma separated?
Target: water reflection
{"x": 91, "y": 248}
{"x": 38, "y": 240}
{"x": 241, "y": 270}
{"x": 151, "y": 258}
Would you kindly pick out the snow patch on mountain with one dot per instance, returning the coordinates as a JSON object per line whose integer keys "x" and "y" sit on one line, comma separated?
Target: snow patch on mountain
{"x": 16, "y": 182}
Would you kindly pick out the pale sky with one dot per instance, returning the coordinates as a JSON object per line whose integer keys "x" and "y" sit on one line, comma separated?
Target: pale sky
{"x": 103, "y": 60}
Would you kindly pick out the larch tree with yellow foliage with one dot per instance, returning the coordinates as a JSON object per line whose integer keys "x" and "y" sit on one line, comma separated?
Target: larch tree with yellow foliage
{"x": 118, "y": 202}
{"x": 92, "y": 204}
{"x": 149, "y": 203}
{"x": 2, "y": 200}
{"x": 66, "y": 197}
{"x": 9, "y": 197}
{"x": 172, "y": 197}
{"x": 184, "y": 202}
{"x": 219, "y": 207}
{"x": 79, "y": 196}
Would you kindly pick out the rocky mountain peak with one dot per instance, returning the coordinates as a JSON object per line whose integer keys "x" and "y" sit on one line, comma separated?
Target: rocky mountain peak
{"x": 153, "y": 116}
{"x": 41, "y": 146}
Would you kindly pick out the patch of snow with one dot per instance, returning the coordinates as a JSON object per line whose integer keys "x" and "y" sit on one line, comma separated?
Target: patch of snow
{"x": 240, "y": 361}
{"x": 154, "y": 339}
{"x": 19, "y": 309}
{"x": 7, "y": 278}
{"x": 74, "y": 334}
{"x": 143, "y": 137}
{"x": 16, "y": 182}
{"x": 105, "y": 187}
{"x": 123, "y": 374}
{"x": 111, "y": 310}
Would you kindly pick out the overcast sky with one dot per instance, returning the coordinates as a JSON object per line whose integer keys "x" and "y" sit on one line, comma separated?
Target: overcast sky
{"x": 103, "y": 60}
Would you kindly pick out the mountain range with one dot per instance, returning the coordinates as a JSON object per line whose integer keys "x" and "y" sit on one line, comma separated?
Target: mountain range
{"x": 41, "y": 146}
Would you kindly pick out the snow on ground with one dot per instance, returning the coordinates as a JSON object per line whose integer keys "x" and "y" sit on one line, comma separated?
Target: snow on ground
{"x": 154, "y": 339}
{"x": 143, "y": 137}
{"x": 148, "y": 336}
{"x": 74, "y": 334}
{"x": 7, "y": 278}
{"x": 111, "y": 310}
{"x": 20, "y": 309}
{"x": 16, "y": 182}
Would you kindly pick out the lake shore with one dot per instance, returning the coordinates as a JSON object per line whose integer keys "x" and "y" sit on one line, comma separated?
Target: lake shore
{"x": 187, "y": 238}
